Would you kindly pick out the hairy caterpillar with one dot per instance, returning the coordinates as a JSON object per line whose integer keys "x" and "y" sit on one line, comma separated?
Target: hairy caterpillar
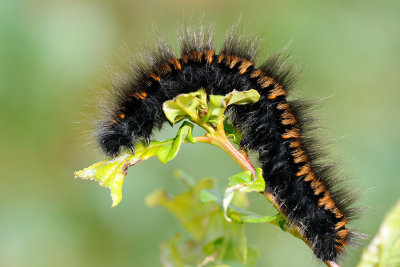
{"x": 275, "y": 128}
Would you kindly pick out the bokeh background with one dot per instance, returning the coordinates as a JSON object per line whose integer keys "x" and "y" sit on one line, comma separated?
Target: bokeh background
{"x": 54, "y": 56}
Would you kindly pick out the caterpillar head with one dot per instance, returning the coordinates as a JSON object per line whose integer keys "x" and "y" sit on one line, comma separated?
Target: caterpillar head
{"x": 112, "y": 137}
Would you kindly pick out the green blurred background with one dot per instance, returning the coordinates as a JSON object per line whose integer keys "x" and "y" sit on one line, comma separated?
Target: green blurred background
{"x": 54, "y": 56}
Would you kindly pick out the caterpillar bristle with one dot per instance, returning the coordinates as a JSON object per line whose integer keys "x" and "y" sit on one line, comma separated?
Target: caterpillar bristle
{"x": 239, "y": 45}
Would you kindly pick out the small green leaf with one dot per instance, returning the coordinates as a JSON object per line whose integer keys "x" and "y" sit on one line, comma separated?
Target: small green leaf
{"x": 209, "y": 195}
{"x": 185, "y": 105}
{"x": 213, "y": 241}
{"x": 232, "y": 133}
{"x": 215, "y": 100}
{"x": 384, "y": 249}
{"x": 241, "y": 98}
{"x": 240, "y": 215}
{"x": 186, "y": 179}
{"x": 244, "y": 178}
{"x": 185, "y": 208}
{"x": 216, "y": 108}
{"x": 218, "y": 103}
{"x": 170, "y": 254}
{"x": 111, "y": 173}
{"x": 252, "y": 256}
{"x": 169, "y": 151}
{"x": 243, "y": 182}
{"x": 258, "y": 184}
{"x": 255, "y": 218}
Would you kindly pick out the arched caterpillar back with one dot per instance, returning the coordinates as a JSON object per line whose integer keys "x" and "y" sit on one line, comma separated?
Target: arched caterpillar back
{"x": 303, "y": 184}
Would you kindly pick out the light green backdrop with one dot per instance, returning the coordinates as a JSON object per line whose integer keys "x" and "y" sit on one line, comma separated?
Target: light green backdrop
{"x": 54, "y": 56}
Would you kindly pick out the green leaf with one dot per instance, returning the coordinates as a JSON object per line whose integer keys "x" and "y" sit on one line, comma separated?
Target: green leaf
{"x": 239, "y": 214}
{"x": 185, "y": 105}
{"x": 244, "y": 178}
{"x": 218, "y": 103}
{"x": 235, "y": 97}
{"x": 209, "y": 195}
{"x": 243, "y": 182}
{"x": 186, "y": 179}
{"x": 168, "y": 151}
{"x": 186, "y": 207}
{"x": 111, "y": 173}
{"x": 213, "y": 241}
{"x": 258, "y": 184}
{"x": 240, "y": 98}
{"x": 384, "y": 249}
{"x": 252, "y": 256}
{"x": 170, "y": 255}
{"x": 232, "y": 133}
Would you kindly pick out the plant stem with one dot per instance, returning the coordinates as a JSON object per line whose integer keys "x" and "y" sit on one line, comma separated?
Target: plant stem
{"x": 220, "y": 140}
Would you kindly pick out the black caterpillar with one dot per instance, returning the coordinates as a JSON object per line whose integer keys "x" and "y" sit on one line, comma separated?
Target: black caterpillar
{"x": 303, "y": 184}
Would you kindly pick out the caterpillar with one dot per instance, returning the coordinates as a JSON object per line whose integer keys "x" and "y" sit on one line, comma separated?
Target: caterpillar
{"x": 275, "y": 128}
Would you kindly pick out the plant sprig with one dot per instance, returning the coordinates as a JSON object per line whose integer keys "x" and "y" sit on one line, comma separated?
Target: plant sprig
{"x": 208, "y": 113}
